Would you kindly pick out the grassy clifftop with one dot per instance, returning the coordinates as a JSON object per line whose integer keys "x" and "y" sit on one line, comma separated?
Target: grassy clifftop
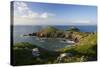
{"x": 86, "y": 46}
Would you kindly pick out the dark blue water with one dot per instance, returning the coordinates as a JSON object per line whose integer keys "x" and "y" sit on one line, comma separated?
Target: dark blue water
{"x": 19, "y": 31}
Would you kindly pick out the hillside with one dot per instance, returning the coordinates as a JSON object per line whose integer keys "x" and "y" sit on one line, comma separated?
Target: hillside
{"x": 49, "y": 29}
{"x": 87, "y": 46}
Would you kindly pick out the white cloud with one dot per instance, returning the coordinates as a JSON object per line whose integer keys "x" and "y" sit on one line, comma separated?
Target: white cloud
{"x": 25, "y": 16}
{"x": 20, "y": 4}
{"x": 39, "y": 21}
{"x": 31, "y": 21}
{"x": 30, "y": 14}
{"x": 24, "y": 11}
{"x": 46, "y": 15}
{"x": 81, "y": 21}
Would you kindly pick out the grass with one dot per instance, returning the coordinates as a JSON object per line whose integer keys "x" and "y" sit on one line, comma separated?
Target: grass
{"x": 87, "y": 47}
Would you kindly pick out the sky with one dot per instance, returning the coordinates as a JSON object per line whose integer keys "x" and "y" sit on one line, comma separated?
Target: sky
{"x": 34, "y": 13}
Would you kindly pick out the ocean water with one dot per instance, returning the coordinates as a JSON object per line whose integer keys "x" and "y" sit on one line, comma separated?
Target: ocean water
{"x": 53, "y": 44}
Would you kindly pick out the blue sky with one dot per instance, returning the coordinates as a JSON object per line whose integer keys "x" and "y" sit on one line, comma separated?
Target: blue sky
{"x": 32, "y": 13}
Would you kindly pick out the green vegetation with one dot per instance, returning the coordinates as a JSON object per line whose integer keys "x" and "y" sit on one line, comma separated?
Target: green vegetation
{"x": 23, "y": 55}
{"x": 87, "y": 45}
{"x": 85, "y": 48}
{"x": 50, "y": 32}
{"x": 49, "y": 29}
